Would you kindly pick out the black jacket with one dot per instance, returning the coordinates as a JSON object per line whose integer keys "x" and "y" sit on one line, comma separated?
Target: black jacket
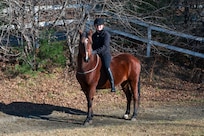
{"x": 101, "y": 43}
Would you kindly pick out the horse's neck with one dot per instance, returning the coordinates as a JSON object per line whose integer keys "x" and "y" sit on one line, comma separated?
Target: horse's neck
{"x": 93, "y": 58}
{"x": 93, "y": 62}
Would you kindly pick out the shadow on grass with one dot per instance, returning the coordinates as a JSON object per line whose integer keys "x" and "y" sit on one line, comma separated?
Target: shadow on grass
{"x": 27, "y": 109}
{"x": 43, "y": 111}
{"x": 33, "y": 110}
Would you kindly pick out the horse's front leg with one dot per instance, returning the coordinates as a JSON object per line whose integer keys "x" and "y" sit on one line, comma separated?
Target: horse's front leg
{"x": 89, "y": 113}
{"x": 89, "y": 96}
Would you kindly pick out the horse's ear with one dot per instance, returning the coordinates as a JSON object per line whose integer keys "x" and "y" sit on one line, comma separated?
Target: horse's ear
{"x": 90, "y": 32}
{"x": 80, "y": 32}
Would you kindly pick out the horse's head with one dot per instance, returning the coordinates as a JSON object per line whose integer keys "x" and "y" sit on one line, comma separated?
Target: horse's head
{"x": 85, "y": 45}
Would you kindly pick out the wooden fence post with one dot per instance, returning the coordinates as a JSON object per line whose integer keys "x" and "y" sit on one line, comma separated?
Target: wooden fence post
{"x": 149, "y": 36}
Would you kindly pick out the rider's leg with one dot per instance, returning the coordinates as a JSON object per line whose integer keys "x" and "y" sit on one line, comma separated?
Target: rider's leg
{"x": 106, "y": 60}
{"x": 111, "y": 79}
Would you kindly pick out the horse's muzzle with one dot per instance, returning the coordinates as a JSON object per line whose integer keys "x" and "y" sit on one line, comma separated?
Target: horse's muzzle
{"x": 86, "y": 59}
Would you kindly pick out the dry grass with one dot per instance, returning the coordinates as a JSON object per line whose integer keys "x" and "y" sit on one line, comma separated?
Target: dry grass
{"x": 52, "y": 104}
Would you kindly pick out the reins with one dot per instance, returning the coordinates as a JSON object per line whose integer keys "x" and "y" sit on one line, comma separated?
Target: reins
{"x": 91, "y": 70}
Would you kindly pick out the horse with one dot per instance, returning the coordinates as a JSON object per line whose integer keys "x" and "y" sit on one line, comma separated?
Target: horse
{"x": 91, "y": 76}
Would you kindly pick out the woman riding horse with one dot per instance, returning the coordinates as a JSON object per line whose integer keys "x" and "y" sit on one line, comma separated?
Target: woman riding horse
{"x": 101, "y": 46}
{"x": 91, "y": 76}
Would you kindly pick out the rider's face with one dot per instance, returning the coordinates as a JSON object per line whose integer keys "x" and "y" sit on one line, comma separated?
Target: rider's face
{"x": 99, "y": 27}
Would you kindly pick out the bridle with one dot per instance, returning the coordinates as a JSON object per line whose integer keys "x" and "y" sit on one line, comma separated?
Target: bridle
{"x": 91, "y": 70}
{"x": 87, "y": 58}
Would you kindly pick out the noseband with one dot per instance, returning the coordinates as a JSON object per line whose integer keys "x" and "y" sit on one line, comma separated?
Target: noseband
{"x": 91, "y": 70}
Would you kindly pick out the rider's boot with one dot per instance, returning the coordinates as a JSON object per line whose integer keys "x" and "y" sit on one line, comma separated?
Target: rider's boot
{"x": 111, "y": 79}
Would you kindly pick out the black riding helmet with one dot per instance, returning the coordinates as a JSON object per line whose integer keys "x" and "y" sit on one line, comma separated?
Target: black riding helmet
{"x": 98, "y": 21}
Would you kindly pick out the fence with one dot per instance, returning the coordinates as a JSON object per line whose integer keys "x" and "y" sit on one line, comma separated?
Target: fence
{"x": 151, "y": 42}
{"x": 148, "y": 40}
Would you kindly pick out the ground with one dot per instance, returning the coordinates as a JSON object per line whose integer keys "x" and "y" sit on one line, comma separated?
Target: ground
{"x": 53, "y": 104}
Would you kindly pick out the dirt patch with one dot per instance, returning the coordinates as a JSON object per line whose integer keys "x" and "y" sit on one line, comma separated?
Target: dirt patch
{"x": 52, "y": 104}
{"x": 154, "y": 118}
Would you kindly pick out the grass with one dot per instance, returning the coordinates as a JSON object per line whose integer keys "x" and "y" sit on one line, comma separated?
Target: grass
{"x": 140, "y": 128}
{"x": 162, "y": 112}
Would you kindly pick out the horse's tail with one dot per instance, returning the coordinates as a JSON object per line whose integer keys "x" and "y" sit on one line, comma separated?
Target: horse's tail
{"x": 139, "y": 87}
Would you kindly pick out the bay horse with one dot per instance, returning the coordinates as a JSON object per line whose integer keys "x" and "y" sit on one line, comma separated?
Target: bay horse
{"x": 91, "y": 76}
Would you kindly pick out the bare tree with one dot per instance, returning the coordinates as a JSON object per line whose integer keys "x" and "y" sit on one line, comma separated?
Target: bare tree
{"x": 24, "y": 19}
{"x": 20, "y": 20}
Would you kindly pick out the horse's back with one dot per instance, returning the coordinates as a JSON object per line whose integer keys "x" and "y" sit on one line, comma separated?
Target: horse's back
{"x": 126, "y": 60}
{"x": 125, "y": 66}
{"x": 125, "y": 57}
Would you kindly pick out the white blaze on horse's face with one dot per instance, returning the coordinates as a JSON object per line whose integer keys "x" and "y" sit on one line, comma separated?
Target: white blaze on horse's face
{"x": 87, "y": 53}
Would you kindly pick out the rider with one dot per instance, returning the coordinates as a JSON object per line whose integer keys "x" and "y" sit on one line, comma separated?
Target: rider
{"x": 101, "y": 46}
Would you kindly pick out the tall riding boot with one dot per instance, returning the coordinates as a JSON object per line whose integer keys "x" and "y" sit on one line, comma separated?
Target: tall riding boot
{"x": 110, "y": 76}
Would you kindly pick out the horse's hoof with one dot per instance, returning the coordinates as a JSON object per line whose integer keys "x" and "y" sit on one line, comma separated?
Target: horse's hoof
{"x": 86, "y": 123}
{"x": 126, "y": 116}
{"x": 133, "y": 119}
{"x": 90, "y": 121}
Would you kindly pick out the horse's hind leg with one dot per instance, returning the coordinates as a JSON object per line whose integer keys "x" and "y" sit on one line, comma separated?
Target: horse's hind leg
{"x": 136, "y": 98}
{"x": 126, "y": 89}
